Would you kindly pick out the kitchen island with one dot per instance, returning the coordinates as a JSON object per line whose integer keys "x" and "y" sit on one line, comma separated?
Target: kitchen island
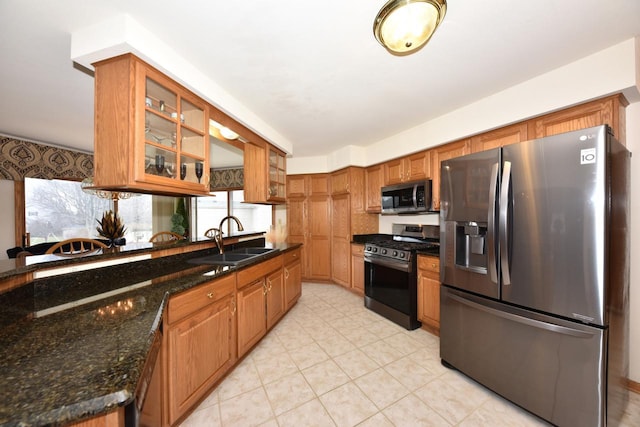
{"x": 65, "y": 357}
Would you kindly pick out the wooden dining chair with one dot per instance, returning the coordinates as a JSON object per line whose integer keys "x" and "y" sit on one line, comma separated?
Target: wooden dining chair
{"x": 165, "y": 237}
{"x": 76, "y": 246}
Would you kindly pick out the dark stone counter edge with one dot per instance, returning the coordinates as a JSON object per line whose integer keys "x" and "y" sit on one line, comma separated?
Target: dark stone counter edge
{"x": 51, "y": 261}
{"x": 101, "y": 405}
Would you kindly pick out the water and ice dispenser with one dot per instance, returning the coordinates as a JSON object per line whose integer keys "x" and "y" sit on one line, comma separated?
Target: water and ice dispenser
{"x": 471, "y": 246}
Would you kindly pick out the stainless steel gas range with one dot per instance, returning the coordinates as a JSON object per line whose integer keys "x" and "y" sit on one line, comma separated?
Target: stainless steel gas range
{"x": 390, "y": 264}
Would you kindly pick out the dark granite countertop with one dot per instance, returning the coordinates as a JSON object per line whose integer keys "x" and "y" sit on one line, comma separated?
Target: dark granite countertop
{"x": 11, "y": 267}
{"x": 87, "y": 360}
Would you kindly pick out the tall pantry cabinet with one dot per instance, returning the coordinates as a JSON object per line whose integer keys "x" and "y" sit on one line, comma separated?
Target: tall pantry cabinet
{"x": 308, "y": 222}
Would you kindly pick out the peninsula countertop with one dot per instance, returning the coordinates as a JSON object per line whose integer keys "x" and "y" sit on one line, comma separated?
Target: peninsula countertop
{"x": 66, "y": 362}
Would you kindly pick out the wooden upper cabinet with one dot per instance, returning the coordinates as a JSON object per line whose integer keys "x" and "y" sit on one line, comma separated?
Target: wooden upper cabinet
{"x": 445, "y": 152}
{"x": 373, "y": 180}
{"x": 296, "y": 185}
{"x": 499, "y": 137}
{"x": 411, "y": 168}
{"x": 151, "y": 134}
{"x": 319, "y": 185}
{"x": 266, "y": 174}
{"x": 340, "y": 181}
{"x": 609, "y": 111}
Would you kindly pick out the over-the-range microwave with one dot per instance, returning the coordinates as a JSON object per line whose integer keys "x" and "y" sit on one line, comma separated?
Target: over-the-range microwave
{"x": 407, "y": 198}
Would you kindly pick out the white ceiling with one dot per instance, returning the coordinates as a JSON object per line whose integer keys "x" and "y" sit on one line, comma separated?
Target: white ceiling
{"x": 311, "y": 71}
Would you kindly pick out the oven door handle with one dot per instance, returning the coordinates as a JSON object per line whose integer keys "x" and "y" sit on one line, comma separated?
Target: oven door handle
{"x": 385, "y": 262}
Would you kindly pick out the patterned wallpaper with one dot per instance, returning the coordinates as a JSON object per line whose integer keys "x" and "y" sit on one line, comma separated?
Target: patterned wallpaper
{"x": 20, "y": 159}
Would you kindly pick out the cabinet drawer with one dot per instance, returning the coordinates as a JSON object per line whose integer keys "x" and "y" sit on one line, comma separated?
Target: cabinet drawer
{"x": 291, "y": 256}
{"x": 251, "y": 274}
{"x": 429, "y": 263}
{"x": 194, "y": 299}
{"x": 357, "y": 249}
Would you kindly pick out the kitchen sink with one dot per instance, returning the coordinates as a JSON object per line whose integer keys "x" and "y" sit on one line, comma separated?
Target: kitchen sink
{"x": 234, "y": 258}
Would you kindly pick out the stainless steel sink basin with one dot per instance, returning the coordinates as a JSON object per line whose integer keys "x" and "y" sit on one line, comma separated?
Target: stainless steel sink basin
{"x": 254, "y": 251}
{"x": 234, "y": 258}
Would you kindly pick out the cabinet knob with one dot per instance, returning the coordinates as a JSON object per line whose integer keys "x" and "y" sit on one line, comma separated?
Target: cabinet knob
{"x": 210, "y": 295}
{"x": 433, "y": 265}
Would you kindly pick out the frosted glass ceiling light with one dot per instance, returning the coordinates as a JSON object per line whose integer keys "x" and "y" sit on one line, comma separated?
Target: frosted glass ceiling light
{"x": 404, "y": 26}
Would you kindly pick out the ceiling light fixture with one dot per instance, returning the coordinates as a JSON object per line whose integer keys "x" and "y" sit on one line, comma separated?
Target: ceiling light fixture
{"x": 228, "y": 133}
{"x": 404, "y": 26}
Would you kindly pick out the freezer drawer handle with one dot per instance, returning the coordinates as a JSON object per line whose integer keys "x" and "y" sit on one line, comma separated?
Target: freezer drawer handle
{"x": 491, "y": 225}
{"x": 504, "y": 224}
{"x": 529, "y": 322}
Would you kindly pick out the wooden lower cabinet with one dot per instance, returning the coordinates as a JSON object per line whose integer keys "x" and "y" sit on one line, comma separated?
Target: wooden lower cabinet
{"x": 429, "y": 292}
{"x": 200, "y": 346}
{"x": 112, "y": 419}
{"x": 292, "y": 278}
{"x": 251, "y": 315}
{"x": 275, "y": 297}
{"x": 357, "y": 268}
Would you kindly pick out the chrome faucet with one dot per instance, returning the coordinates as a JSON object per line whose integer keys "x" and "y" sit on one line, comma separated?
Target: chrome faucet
{"x": 218, "y": 234}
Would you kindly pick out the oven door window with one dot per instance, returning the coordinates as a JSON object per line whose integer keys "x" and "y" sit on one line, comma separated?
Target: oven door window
{"x": 388, "y": 286}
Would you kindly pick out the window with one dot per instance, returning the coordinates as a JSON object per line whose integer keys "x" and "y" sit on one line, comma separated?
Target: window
{"x": 56, "y": 210}
{"x": 211, "y": 210}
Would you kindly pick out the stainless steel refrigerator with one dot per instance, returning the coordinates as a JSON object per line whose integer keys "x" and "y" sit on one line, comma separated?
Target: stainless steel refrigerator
{"x": 534, "y": 262}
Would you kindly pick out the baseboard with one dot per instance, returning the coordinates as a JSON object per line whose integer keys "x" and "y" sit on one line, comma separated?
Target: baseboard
{"x": 633, "y": 386}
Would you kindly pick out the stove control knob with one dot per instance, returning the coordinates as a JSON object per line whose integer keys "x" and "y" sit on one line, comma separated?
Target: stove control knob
{"x": 395, "y": 253}
{"x": 402, "y": 254}
{"x": 383, "y": 251}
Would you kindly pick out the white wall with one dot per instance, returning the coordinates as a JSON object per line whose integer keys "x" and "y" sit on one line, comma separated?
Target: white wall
{"x": 612, "y": 70}
{"x": 633, "y": 143}
{"x": 7, "y": 220}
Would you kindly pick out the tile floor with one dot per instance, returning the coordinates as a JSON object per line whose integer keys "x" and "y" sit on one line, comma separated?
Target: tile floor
{"x": 331, "y": 362}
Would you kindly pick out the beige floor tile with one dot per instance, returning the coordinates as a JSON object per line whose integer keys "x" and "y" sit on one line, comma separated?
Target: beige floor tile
{"x": 243, "y": 378}
{"x": 288, "y": 392}
{"x": 355, "y": 363}
{"x": 412, "y": 412}
{"x": 292, "y": 341}
{"x": 381, "y": 388}
{"x": 204, "y": 417}
{"x": 359, "y": 337}
{"x": 336, "y": 345}
{"x": 267, "y": 348}
{"x": 325, "y": 377}
{"x": 409, "y": 373}
{"x": 310, "y": 414}
{"x": 382, "y": 353}
{"x": 403, "y": 343}
{"x": 248, "y": 409}
{"x": 347, "y": 405}
{"x": 309, "y": 355}
{"x": 452, "y": 397}
{"x": 383, "y": 328}
{"x": 276, "y": 367}
{"x": 378, "y": 420}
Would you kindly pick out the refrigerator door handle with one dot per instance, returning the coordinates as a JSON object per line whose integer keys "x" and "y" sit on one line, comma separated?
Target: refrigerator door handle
{"x": 504, "y": 223}
{"x": 491, "y": 226}
{"x": 524, "y": 320}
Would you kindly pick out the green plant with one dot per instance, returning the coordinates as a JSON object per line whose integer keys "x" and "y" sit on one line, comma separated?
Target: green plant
{"x": 111, "y": 226}
{"x": 180, "y": 219}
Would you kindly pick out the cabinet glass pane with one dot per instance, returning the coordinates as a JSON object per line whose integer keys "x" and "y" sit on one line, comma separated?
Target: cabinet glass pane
{"x": 191, "y": 167}
{"x": 160, "y": 99}
{"x": 159, "y": 130}
{"x": 192, "y": 143}
{"x": 191, "y": 115}
{"x": 273, "y": 158}
{"x": 160, "y": 162}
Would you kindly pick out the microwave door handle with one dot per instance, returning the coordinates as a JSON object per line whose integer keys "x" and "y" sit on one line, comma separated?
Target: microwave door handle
{"x": 491, "y": 226}
{"x": 415, "y": 197}
{"x": 504, "y": 224}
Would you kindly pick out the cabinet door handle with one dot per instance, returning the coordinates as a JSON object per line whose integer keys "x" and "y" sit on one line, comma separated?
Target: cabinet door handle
{"x": 286, "y": 274}
{"x": 269, "y": 287}
{"x": 233, "y": 306}
{"x": 264, "y": 288}
{"x": 210, "y": 295}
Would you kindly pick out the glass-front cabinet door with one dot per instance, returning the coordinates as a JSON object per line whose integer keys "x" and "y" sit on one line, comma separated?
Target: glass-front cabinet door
{"x": 174, "y": 138}
{"x": 277, "y": 175}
